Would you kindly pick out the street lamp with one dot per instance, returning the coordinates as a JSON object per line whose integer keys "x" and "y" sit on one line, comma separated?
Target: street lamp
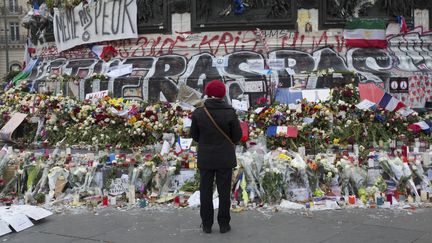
{"x": 6, "y": 36}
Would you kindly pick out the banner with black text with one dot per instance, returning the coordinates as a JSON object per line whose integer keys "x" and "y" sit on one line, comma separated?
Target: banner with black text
{"x": 103, "y": 20}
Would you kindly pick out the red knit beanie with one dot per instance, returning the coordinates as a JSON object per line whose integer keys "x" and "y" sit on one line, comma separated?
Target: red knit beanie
{"x": 215, "y": 88}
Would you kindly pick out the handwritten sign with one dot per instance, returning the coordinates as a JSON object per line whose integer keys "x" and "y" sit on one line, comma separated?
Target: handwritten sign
{"x": 101, "y": 20}
{"x": 119, "y": 186}
{"x": 96, "y": 95}
{"x": 240, "y": 105}
{"x": 185, "y": 143}
{"x": 13, "y": 123}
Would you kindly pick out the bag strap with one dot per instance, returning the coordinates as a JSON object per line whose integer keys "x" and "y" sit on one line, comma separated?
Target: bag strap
{"x": 218, "y": 128}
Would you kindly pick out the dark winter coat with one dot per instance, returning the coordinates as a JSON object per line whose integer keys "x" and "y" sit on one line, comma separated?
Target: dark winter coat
{"x": 214, "y": 149}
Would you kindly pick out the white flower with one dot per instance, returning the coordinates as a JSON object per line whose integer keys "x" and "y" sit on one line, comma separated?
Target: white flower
{"x": 107, "y": 120}
{"x": 276, "y": 171}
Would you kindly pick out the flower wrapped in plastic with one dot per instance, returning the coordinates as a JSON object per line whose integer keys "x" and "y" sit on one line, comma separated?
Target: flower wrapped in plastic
{"x": 419, "y": 172}
{"x": 163, "y": 178}
{"x": 399, "y": 172}
{"x": 298, "y": 178}
{"x": 251, "y": 162}
{"x": 353, "y": 177}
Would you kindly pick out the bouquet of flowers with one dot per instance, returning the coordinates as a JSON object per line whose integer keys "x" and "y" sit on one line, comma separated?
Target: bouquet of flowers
{"x": 399, "y": 172}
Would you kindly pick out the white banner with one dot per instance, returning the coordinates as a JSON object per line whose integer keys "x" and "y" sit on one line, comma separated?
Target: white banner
{"x": 103, "y": 20}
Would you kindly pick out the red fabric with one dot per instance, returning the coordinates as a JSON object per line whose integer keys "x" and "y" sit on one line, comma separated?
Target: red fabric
{"x": 292, "y": 132}
{"x": 215, "y": 89}
{"x": 366, "y": 43}
{"x": 370, "y": 91}
{"x": 399, "y": 106}
{"x": 415, "y": 128}
{"x": 108, "y": 51}
{"x": 245, "y": 131}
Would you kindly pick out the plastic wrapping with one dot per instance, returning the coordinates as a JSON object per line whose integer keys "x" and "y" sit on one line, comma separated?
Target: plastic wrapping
{"x": 163, "y": 179}
{"x": 353, "y": 177}
{"x": 251, "y": 163}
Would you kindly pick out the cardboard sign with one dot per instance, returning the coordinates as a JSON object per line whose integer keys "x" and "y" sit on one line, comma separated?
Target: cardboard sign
{"x": 399, "y": 85}
{"x": 13, "y": 123}
{"x": 96, "y": 95}
{"x": 119, "y": 186}
{"x": 18, "y": 221}
{"x": 4, "y": 228}
{"x": 36, "y": 213}
{"x": 98, "y": 21}
{"x": 185, "y": 143}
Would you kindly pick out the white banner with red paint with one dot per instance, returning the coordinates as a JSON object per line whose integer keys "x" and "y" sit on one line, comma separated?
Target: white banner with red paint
{"x": 103, "y": 20}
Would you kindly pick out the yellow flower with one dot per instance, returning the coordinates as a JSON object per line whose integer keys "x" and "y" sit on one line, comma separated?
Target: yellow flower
{"x": 284, "y": 157}
{"x": 336, "y": 141}
{"x": 115, "y": 102}
{"x": 132, "y": 120}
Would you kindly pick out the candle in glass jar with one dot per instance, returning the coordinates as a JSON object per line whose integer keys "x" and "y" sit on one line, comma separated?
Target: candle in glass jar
{"x": 423, "y": 196}
{"x": 410, "y": 199}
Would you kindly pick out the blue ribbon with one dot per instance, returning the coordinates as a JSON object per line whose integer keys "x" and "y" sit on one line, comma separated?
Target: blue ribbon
{"x": 239, "y": 7}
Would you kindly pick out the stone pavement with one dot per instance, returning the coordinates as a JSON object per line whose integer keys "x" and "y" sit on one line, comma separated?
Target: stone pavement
{"x": 182, "y": 225}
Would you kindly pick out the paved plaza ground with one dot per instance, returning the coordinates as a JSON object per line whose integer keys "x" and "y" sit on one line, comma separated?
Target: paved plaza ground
{"x": 182, "y": 225}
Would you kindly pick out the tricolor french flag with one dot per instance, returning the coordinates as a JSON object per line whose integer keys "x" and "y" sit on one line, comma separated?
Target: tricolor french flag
{"x": 390, "y": 103}
{"x": 287, "y": 131}
{"x": 372, "y": 92}
{"x": 178, "y": 149}
{"x": 403, "y": 24}
{"x": 421, "y": 126}
{"x": 36, "y": 9}
{"x": 103, "y": 51}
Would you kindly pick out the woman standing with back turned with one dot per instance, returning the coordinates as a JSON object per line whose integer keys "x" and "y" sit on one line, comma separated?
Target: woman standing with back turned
{"x": 216, "y": 128}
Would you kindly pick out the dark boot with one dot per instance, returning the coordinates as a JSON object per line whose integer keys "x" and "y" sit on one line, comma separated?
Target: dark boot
{"x": 206, "y": 229}
{"x": 225, "y": 228}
